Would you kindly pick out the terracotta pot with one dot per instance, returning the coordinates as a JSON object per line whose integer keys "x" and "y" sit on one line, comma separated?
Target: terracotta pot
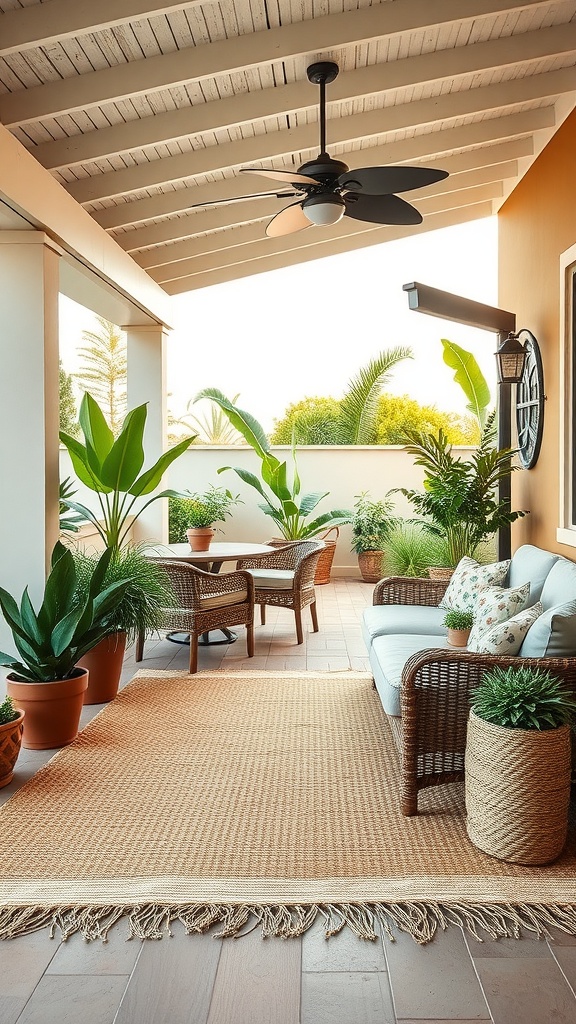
{"x": 200, "y": 538}
{"x": 104, "y": 666}
{"x": 370, "y": 565}
{"x": 458, "y": 637}
{"x": 10, "y": 743}
{"x": 52, "y": 709}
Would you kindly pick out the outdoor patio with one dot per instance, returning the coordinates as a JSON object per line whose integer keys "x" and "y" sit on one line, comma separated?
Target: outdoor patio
{"x": 306, "y": 980}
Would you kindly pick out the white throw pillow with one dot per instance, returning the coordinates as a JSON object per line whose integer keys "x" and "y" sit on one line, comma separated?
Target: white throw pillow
{"x": 494, "y": 605}
{"x": 468, "y": 580}
{"x": 505, "y": 638}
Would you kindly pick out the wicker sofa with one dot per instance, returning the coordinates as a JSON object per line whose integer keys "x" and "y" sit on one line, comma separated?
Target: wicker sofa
{"x": 425, "y": 685}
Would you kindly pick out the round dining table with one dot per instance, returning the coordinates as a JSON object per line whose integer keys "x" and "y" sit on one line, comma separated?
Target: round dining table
{"x": 212, "y": 561}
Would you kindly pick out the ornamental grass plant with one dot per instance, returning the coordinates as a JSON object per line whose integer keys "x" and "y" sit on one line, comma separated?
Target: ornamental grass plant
{"x": 523, "y": 698}
{"x": 456, "y": 619}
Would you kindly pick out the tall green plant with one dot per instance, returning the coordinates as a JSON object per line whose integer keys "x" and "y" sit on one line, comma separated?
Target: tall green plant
{"x": 282, "y": 500}
{"x": 112, "y": 469}
{"x": 359, "y": 406}
{"x": 470, "y": 378}
{"x": 52, "y": 641}
{"x": 459, "y": 501}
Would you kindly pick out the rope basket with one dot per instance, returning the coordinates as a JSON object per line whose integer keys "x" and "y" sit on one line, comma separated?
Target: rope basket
{"x": 370, "y": 563}
{"x": 439, "y": 572}
{"x": 517, "y": 791}
{"x": 324, "y": 564}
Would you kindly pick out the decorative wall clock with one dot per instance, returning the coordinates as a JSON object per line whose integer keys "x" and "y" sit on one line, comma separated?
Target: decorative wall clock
{"x": 530, "y": 399}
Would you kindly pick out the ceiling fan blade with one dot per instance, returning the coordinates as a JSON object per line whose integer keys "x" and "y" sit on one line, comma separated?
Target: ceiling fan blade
{"x": 288, "y": 220}
{"x": 287, "y": 176}
{"x": 381, "y": 181}
{"x": 381, "y": 209}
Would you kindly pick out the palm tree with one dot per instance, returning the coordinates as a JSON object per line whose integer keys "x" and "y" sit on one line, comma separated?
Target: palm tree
{"x": 213, "y": 427}
{"x": 104, "y": 373}
{"x": 359, "y": 406}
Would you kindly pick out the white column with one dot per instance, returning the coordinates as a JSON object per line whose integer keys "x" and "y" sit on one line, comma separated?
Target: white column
{"x": 146, "y": 346}
{"x": 29, "y": 276}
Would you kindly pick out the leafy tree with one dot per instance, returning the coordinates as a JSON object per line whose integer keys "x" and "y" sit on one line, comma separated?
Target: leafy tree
{"x": 313, "y": 420}
{"x": 68, "y": 411}
{"x": 104, "y": 373}
{"x": 400, "y": 414}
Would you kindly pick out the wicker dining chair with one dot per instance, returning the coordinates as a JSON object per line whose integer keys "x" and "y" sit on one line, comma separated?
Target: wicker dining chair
{"x": 206, "y": 601}
{"x": 285, "y": 578}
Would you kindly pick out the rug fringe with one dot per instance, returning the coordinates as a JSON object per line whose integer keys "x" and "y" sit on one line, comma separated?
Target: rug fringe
{"x": 420, "y": 920}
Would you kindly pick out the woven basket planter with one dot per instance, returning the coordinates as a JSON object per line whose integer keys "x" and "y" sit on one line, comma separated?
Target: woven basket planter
{"x": 517, "y": 791}
{"x": 324, "y": 564}
{"x": 10, "y": 743}
{"x": 370, "y": 563}
{"x": 440, "y": 572}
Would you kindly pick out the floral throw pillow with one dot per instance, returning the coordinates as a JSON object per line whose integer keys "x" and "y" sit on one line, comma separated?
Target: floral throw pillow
{"x": 505, "y": 638}
{"x": 469, "y": 579}
{"x": 495, "y": 605}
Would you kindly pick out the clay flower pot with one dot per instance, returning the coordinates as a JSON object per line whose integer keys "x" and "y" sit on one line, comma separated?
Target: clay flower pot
{"x": 370, "y": 565}
{"x": 458, "y": 637}
{"x": 52, "y": 709}
{"x": 10, "y": 743}
{"x": 104, "y": 666}
{"x": 200, "y": 537}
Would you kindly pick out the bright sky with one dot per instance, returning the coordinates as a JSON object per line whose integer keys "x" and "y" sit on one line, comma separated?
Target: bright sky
{"x": 281, "y": 336}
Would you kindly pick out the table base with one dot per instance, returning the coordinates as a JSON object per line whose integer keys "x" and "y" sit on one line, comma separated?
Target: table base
{"x": 204, "y": 638}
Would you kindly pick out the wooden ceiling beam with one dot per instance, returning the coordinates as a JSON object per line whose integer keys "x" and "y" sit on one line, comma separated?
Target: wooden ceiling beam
{"x": 282, "y": 100}
{"x": 419, "y": 148}
{"x": 316, "y": 35}
{"x": 343, "y": 130}
{"x": 197, "y": 241}
{"x": 263, "y": 247}
{"x": 54, "y": 20}
{"x": 329, "y": 247}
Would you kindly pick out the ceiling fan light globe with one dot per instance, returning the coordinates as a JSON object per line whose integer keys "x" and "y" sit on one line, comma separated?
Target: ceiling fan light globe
{"x": 324, "y": 210}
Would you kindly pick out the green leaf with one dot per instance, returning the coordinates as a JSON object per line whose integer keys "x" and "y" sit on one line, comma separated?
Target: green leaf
{"x": 126, "y": 457}
{"x": 470, "y": 378}
{"x": 309, "y": 501}
{"x": 246, "y": 425}
{"x": 359, "y": 406}
{"x": 247, "y": 477}
{"x": 81, "y": 465}
{"x": 95, "y": 428}
{"x": 149, "y": 480}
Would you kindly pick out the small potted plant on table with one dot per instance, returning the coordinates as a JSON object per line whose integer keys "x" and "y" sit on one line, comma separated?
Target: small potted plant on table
{"x": 459, "y": 625}
{"x": 195, "y": 515}
{"x": 517, "y": 764}
{"x": 11, "y": 727}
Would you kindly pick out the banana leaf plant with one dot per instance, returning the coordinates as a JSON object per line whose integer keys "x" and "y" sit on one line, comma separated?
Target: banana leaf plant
{"x": 52, "y": 641}
{"x": 281, "y": 493}
{"x": 470, "y": 378}
{"x": 112, "y": 469}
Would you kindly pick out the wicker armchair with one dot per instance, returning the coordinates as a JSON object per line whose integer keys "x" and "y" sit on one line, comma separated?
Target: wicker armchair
{"x": 206, "y": 601}
{"x": 285, "y": 578}
{"x": 436, "y": 689}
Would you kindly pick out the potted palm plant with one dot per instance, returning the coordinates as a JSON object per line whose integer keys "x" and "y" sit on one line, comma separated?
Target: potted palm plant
{"x": 196, "y": 514}
{"x": 459, "y": 502}
{"x": 114, "y": 470}
{"x": 46, "y": 683}
{"x": 11, "y": 728}
{"x": 280, "y": 491}
{"x": 372, "y": 522}
{"x": 517, "y": 764}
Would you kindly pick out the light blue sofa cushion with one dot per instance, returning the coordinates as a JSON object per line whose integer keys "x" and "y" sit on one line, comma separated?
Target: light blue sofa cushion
{"x": 388, "y": 655}
{"x": 553, "y": 635}
{"x": 560, "y": 585}
{"x": 381, "y": 619}
{"x": 530, "y": 565}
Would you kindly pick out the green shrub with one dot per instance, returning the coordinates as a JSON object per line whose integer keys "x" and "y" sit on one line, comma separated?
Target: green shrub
{"x": 523, "y": 698}
{"x": 410, "y": 550}
{"x": 197, "y": 511}
{"x": 371, "y": 523}
{"x": 455, "y": 619}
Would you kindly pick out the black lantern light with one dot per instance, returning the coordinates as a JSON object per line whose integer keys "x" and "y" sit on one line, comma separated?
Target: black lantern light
{"x": 510, "y": 360}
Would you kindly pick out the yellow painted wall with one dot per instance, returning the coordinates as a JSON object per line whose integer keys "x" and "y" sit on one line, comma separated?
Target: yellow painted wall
{"x": 536, "y": 224}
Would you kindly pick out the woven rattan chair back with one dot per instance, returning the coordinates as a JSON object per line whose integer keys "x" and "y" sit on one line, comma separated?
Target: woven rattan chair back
{"x": 301, "y": 558}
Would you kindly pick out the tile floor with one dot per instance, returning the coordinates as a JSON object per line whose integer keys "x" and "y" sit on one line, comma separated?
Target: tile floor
{"x": 202, "y": 980}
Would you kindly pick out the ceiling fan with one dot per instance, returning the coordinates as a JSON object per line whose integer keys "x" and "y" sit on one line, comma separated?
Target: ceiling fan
{"x": 327, "y": 190}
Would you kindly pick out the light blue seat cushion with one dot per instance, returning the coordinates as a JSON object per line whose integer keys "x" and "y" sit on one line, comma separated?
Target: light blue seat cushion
{"x": 531, "y": 565}
{"x": 388, "y": 655}
{"x": 553, "y": 635}
{"x": 382, "y": 619}
{"x": 560, "y": 585}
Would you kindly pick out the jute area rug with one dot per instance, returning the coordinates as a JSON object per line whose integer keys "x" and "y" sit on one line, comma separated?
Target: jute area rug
{"x": 243, "y": 797}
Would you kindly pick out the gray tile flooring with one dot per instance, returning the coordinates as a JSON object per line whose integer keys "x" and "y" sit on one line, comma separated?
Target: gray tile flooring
{"x": 204, "y": 980}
